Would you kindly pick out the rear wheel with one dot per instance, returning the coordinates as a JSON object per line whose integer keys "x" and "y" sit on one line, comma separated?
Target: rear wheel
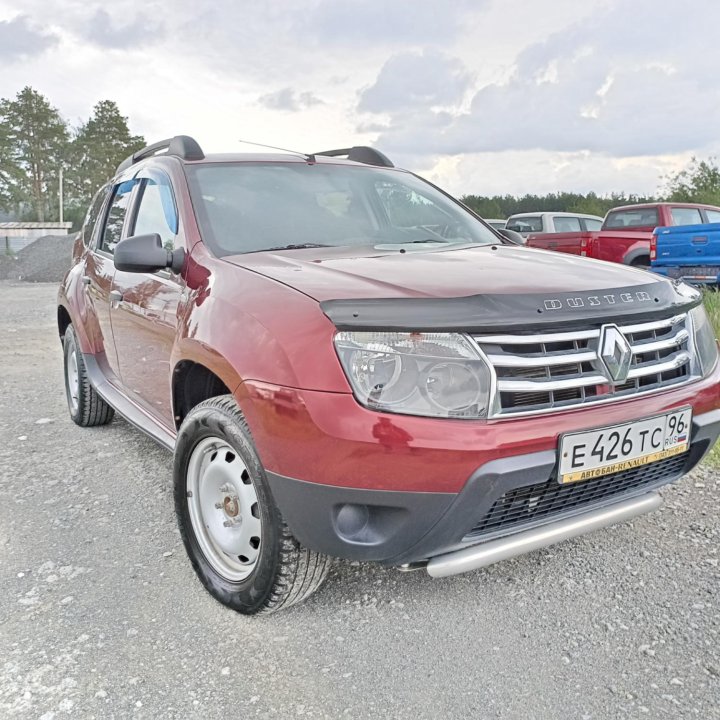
{"x": 238, "y": 543}
{"x": 86, "y": 407}
{"x": 642, "y": 262}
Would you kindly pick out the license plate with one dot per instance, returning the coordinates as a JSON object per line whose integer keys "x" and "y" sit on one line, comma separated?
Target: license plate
{"x": 594, "y": 453}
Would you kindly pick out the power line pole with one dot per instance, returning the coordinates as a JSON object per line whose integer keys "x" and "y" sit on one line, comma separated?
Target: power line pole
{"x": 60, "y": 194}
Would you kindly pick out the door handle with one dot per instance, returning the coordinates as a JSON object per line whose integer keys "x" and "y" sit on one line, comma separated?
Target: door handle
{"x": 85, "y": 280}
{"x": 115, "y": 297}
{"x": 552, "y": 244}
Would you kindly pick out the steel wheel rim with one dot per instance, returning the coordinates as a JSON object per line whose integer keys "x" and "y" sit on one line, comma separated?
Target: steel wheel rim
{"x": 73, "y": 380}
{"x": 224, "y": 509}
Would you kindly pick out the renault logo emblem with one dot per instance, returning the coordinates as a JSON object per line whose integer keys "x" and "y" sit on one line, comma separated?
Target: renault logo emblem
{"x": 615, "y": 353}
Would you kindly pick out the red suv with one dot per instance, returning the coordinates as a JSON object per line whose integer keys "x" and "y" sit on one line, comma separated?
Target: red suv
{"x": 346, "y": 362}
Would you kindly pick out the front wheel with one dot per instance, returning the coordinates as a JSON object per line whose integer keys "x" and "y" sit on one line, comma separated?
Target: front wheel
{"x": 238, "y": 543}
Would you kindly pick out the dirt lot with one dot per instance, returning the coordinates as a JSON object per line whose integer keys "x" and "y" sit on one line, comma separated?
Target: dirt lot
{"x": 101, "y": 615}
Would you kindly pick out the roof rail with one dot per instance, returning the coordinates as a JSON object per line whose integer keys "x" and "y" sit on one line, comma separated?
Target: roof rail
{"x": 181, "y": 146}
{"x": 361, "y": 154}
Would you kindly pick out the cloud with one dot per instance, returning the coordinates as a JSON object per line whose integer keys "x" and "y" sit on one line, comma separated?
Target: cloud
{"x": 104, "y": 31}
{"x": 416, "y": 80}
{"x": 289, "y": 100}
{"x": 388, "y": 22}
{"x": 616, "y": 91}
{"x": 19, "y": 39}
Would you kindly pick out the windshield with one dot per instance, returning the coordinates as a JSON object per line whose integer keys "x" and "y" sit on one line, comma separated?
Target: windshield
{"x": 250, "y": 207}
{"x": 637, "y": 217}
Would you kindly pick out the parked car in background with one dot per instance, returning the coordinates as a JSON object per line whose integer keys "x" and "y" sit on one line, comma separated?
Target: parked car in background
{"x": 689, "y": 252}
{"x": 495, "y": 223}
{"x": 552, "y": 222}
{"x": 626, "y": 232}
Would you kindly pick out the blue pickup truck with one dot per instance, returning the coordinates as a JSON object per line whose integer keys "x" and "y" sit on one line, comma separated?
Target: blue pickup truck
{"x": 690, "y": 252}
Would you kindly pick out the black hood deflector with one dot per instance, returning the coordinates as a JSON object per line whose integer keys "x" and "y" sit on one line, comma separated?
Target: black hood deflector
{"x": 525, "y": 312}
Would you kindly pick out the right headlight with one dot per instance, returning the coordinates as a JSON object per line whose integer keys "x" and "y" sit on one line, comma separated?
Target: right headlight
{"x": 705, "y": 343}
{"x": 429, "y": 374}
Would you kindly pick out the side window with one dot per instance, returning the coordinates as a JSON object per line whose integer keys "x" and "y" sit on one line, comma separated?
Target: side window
{"x": 713, "y": 216}
{"x": 156, "y": 212}
{"x": 567, "y": 224}
{"x": 525, "y": 224}
{"x": 112, "y": 232}
{"x": 92, "y": 216}
{"x": 685, "y": 216}
{"x": 592, "y": 225}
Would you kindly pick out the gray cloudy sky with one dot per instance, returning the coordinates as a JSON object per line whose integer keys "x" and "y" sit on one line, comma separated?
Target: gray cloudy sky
{"x": 481, "y": 96}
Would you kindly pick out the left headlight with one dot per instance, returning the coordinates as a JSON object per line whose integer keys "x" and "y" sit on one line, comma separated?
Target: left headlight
{"x": 430, "y": 374}
{"x": 705, "y": 344}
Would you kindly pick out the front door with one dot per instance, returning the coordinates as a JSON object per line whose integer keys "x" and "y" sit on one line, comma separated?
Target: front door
{"x": 144, "y": 319}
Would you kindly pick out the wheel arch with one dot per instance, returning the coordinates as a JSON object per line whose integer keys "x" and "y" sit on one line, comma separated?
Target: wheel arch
{"x": 63, "y": 321}
{"x": 192, "y": 383}
{"x": 636, "y": 253}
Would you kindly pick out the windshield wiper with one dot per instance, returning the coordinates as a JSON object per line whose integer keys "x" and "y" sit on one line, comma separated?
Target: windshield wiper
{"x": 298, "y": 246}
{"x": 426, "y": 240}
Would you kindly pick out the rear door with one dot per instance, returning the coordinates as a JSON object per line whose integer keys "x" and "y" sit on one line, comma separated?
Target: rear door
{"x": 145, "y": 317}
{"x": 99, "y": 273}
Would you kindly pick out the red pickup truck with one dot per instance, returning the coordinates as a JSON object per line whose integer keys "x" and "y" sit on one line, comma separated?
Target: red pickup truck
{"x": 626, "y": 232}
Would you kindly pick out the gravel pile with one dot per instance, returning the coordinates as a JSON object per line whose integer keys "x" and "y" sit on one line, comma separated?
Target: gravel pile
{"x": 45, "y": 260}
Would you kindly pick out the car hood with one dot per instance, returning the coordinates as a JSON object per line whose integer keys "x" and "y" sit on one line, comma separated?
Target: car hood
{"x": 446, "y": 272}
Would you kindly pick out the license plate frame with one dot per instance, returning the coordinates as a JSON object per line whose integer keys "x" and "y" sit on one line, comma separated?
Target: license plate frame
{"x": 570, "y": 472}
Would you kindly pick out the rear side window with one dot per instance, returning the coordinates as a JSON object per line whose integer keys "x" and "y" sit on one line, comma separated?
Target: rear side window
{"x": 640, "y": 217}
{"x": 526, "y": 224}
{"x": 156, "y": 212}
{"x": 713, "y": 216}
{"x": 92, "y": 216}
{"x": 685, "y": 216}
{"x": 592, "y": 225}
{"x": 567, "y": 224}
{"x": 112, "y": 232}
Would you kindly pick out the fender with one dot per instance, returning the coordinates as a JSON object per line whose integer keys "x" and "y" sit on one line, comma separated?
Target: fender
{"x": 637, "y": 250}
{"x": 71, "y": 298}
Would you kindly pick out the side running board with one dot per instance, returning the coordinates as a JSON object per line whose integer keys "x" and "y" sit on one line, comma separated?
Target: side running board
{"x": 128, "y": 409}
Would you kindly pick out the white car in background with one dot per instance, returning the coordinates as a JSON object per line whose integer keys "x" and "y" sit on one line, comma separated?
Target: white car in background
{"x": 552, "y": 222}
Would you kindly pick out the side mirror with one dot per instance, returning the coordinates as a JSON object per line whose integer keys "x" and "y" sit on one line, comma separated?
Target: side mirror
{"x": 146, "y": 254}
{"x": 513, "y": 236}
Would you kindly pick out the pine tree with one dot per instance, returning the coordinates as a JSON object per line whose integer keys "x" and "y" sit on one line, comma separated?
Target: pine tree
{"x": 97, "y": 149}
{"x": 33, "y": 144}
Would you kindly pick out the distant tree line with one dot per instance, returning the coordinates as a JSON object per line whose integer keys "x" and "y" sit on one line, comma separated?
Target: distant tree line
{"x": 36, "y": 143}
{"x": 503, "y": 206}
{"x": 699, "y": 182}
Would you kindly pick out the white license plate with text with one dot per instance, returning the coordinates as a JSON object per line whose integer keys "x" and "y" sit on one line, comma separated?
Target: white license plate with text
{"x": 594, "y": 453}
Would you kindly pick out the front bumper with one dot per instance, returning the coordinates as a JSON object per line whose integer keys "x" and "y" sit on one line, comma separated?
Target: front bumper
{"x": 396, "y": 527}
{"x": 675, "y": 272}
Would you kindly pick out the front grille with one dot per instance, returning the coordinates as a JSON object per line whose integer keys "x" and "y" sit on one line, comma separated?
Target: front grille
{"x": 536, "y": 502}
{"x": 542, "y": 372}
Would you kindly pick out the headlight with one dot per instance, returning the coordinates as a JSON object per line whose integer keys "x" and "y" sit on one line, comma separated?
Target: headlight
{"x": 705, "y": 343}
{"x": 432, "y": 374}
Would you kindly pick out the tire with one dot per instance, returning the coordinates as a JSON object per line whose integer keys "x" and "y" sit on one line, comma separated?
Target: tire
{"x": 238, "y": 543}
{"x": 86, "y": 407}
{"x": 642, "y": 262}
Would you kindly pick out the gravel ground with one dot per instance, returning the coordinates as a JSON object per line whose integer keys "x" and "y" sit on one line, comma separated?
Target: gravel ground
{"x": 45, "y": 260}
{"x": 101, "y": 615}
